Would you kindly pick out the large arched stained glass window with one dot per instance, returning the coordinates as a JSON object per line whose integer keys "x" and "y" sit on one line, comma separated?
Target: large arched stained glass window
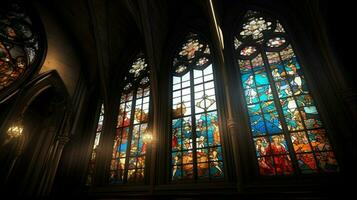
{"x": 286, "y": 128}
{"x": 93, "y": 157}
{"x": 129, "y": 150}
{"x": 196, "y": 151}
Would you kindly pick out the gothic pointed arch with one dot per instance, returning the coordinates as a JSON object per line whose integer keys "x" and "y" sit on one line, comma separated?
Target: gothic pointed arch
{"x": 285, "y": 125}
{"x": 196, "y": 150}
{"x": 129, "y": 148}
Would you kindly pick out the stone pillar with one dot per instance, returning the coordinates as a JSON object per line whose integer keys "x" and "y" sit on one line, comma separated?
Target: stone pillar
{"x": 153, "y": 26}
{"x": 231, "y": 118}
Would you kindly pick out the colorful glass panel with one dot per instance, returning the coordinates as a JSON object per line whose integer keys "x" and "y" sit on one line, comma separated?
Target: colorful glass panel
{"x": 19, "y": 43}
{"x": 254, "y": 26}
{"x": 92, "y": 160}
{"x": 276, "y": 42}
{"x": 129, "y": 149}
{"x": 138, "y": 66}
{"x": 286, "y": 128}
{"x": 247, "y": 51}
{"x": 196, "y": 151}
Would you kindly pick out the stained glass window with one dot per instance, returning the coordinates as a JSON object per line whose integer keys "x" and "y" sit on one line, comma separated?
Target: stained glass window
{"x": 98, "y": 133}
{"x": 196, "y": 150}
{"x": 286, "y": 128}
{"x": 19, "y": 43}
{"x": 129, "y": 150}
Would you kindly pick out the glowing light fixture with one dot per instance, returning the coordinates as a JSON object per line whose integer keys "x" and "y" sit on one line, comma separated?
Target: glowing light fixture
{"x": 147, "y": 137}
{"x": 15, "y": 130}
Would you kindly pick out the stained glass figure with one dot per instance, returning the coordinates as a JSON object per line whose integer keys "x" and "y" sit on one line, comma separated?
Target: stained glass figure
{"x": 19, "y": 43}
{"x": 92, "y": 161}
{"x": 285, "y": 125}
{"x": 129, "y": 149}
{"x": 196, "y": 151}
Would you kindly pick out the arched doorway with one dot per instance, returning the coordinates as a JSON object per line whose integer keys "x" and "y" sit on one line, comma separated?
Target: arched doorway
{"x": 30, "y": 159}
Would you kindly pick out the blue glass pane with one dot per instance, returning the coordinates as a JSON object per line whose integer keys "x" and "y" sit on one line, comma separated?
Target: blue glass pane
{"x": 261, "y": 79}
{"x": 311, "y": 117}
{"x": 283, "y": 89}
{"x": 124, "y": 142}
{"x": 176, "y": 172}
{"x": 257, "y": 125}
{"x": 268, "y": 106}
{"x": 248, "y": 80}
{"x": 265, "y": 93}
{"x": 272, "y": 122}
{"x": 293, "y": 119}
{"x": 216, "y": 169}
{"x": 254, "y": 109}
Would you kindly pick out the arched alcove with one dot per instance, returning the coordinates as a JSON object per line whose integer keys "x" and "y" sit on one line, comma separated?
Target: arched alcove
{"x": 30, "y": 158}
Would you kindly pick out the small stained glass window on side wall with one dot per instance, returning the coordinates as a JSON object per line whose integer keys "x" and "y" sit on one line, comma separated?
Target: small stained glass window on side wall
{"x": 129, "y": 148}
{"x": 19, "y": 43}
{"x": 92, "y": 161}
{"x": 196, "y": 150}
{"x": 286, "y": 128}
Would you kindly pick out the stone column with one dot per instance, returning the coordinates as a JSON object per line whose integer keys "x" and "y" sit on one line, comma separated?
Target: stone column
{"x": 231, "y": 124}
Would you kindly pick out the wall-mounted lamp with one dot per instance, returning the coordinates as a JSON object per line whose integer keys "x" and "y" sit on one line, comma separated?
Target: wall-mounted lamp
{"x": 15, "y": 129}
{"x": 147, "y": 137}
